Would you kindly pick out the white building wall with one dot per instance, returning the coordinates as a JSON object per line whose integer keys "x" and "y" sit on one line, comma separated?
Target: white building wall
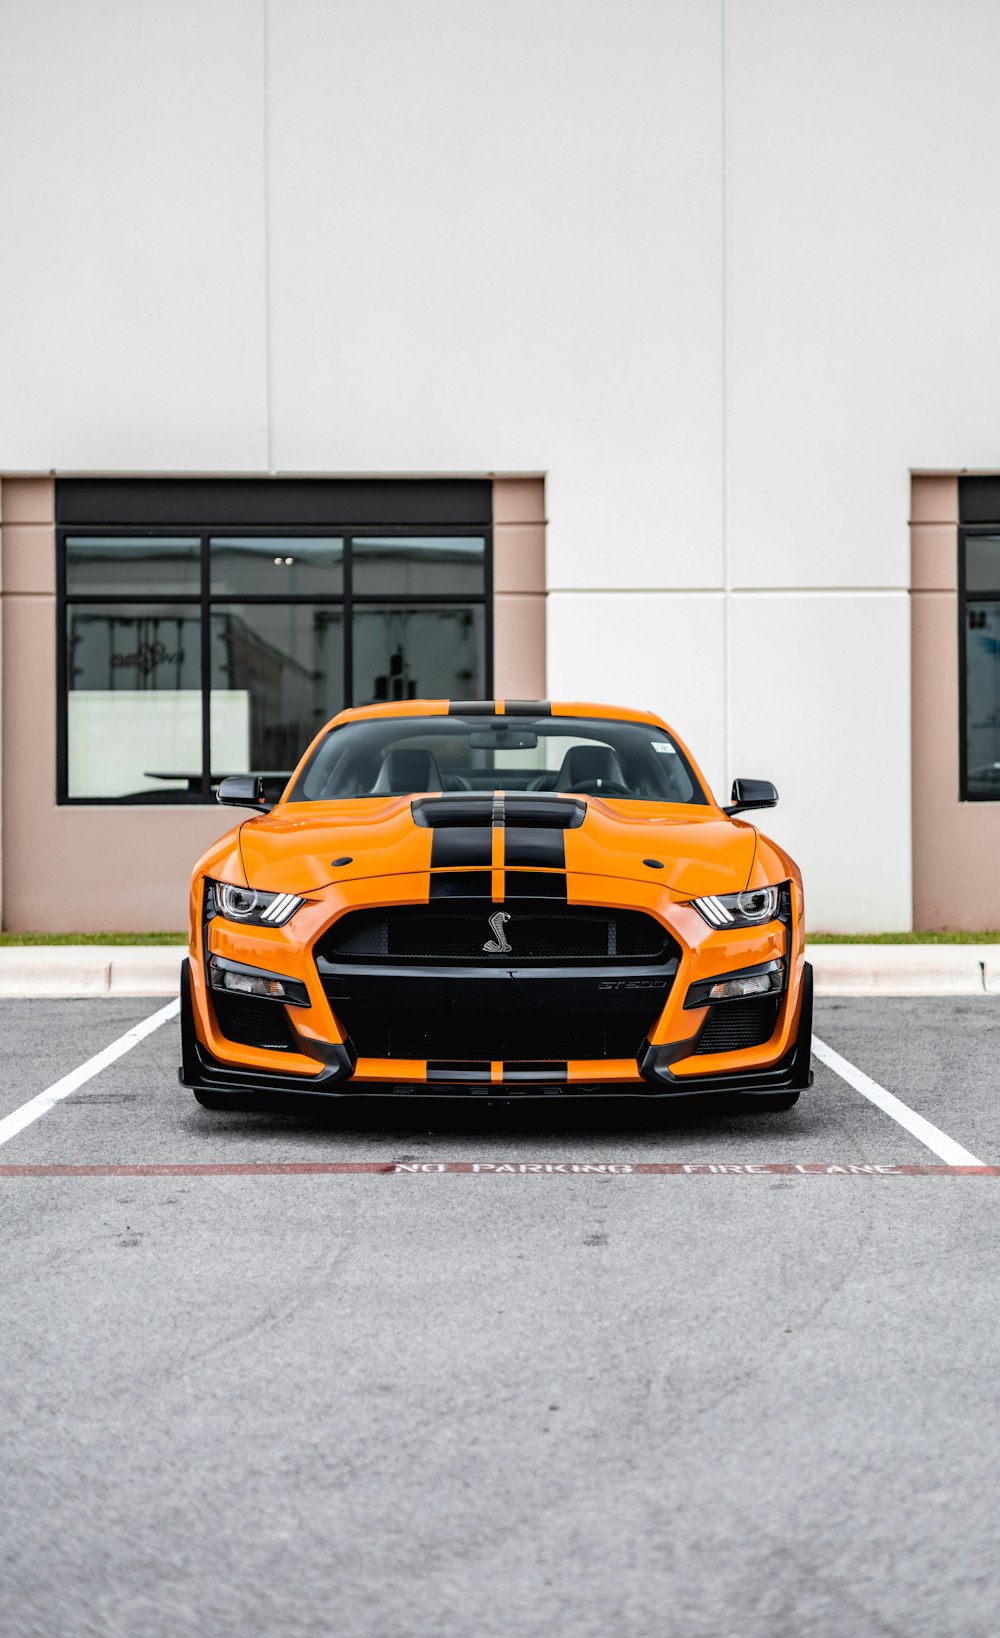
{"x": 724, "y": 272}
{"x": 132, "y": 288}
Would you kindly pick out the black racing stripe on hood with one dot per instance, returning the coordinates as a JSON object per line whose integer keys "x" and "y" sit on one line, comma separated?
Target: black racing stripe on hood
{"x": 543, "y": 848}
{"x": 542, "y": 809}
{"x": 461, "y": 884}
{"x": 461, "y": 845}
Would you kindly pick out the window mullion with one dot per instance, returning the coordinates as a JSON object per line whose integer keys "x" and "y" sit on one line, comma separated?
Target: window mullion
{"x": 206, "y": 677}
{"x": 348, "y": 620}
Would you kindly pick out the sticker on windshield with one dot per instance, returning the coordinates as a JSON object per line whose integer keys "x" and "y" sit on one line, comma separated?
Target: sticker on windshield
{"x": 664, "y": 750}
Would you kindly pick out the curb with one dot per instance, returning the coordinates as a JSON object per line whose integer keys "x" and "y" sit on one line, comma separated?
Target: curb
{"x": 79, "y": 971}
{"x": 905, "y": 969}
{"x": 76, "y": 971}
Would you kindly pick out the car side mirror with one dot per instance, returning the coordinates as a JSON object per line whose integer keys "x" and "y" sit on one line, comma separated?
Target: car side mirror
{"x": 243, "y": 791}
{"x": 752, "y": 793}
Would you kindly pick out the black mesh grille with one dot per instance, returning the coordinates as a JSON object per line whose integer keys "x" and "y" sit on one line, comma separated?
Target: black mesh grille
{"x": 737, "y": 1024}
{"x": 253, "y": 1023}
{"x": 432, "y": 933}
{"x": 390, "y": 1033}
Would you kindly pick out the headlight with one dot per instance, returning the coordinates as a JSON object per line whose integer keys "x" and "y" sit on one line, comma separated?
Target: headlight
{"x": 748, "y": 909}
{"x": 248, "y": 904}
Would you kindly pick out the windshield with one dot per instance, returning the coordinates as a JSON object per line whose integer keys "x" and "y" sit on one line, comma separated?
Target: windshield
{"x": 393, "y": 756}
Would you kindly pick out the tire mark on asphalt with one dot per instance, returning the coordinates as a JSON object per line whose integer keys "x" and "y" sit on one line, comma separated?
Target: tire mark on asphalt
{"x": 280, "y": 1314}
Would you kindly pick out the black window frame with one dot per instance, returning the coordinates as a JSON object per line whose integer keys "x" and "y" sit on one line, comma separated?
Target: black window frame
{"x": 968, "y": 532}
{"x": 206, "y": 599}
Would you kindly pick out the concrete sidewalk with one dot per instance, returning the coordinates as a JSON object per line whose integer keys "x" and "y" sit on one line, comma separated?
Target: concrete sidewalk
{"x": 72, "y": 970}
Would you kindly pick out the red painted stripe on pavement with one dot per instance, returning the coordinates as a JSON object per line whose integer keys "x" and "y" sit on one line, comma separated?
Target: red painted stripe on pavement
{"x": 517, "y": 1168}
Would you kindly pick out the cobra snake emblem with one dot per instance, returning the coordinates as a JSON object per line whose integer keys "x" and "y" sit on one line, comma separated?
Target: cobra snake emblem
{"x": 498, "y": 945}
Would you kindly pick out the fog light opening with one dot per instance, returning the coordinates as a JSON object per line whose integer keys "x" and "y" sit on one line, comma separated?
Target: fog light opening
{"x": 768, "y": 979}
{"x": 731, "y": 989}
{"x": 224, "y": 975}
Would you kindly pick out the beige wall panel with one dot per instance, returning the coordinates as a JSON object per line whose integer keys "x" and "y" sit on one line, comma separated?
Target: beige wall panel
{"x": 518, "y": 500}
{"x": 519, "y": 557}
{"x": 954, "y": 885}
{"x": 29, "y": 500}
{"x": 29, "y": 558}
{"x": 934, "y": 499}
{"x": 518, "y": 647}
{"x": 933, "y": 557}
{"x": 80, "y": 869}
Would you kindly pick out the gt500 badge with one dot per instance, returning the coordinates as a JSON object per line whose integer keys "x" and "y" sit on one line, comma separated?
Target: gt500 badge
{"x": 632, "y": 984}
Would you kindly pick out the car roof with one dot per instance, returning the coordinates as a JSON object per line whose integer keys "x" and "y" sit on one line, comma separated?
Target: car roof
{"x": 497, "y": 707}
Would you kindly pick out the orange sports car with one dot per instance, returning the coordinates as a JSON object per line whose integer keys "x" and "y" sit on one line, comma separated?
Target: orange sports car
{"x": 497, "y": 897}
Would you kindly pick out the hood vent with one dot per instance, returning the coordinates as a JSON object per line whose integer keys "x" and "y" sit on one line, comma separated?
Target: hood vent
{"x": 470, "y": 810}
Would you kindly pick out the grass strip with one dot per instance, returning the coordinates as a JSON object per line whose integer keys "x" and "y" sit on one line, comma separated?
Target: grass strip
{"x": 92, "y": 938}
{"x": 989, "y": 937}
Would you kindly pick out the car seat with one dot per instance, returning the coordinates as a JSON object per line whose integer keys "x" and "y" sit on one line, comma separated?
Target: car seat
{"x": 590, "y": 765}
{"x": 405, "y": 771}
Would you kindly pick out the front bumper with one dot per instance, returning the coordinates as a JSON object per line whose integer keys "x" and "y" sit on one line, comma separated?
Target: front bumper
{"x": 649, "y": 1075}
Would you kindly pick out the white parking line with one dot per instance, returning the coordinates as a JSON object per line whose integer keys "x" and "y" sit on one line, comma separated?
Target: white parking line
{"x": 40, "y": 1105}
{"x": 938, "y": 1142}
{"x": 931, "y": 1136}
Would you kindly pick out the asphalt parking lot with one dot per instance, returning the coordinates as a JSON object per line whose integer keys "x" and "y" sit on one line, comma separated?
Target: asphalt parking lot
{"x": 708, "y": 1399}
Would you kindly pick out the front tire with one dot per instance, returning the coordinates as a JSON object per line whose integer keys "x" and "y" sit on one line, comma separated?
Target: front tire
{"x": 771, "y": 1104}
{"x": 208, "y": 1101}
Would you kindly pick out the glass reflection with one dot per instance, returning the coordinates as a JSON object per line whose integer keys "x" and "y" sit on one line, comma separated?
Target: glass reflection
{"x": 133, "y": 565}
{"x": 276, "y": 677}
{"x": 134, "y": 702}
{"x": 982, "y": 563}
{"x": 417, "y": 653}
{"x": 982, "y": 698}
{"x": 415, "y": 566}
{"x": 276, "y": 565}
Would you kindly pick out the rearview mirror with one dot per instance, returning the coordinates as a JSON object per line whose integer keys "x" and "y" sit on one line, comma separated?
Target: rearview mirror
{"x": 503, "y": 739}
{"x": 243, "y": 791}
{"x": 752, "y": 793}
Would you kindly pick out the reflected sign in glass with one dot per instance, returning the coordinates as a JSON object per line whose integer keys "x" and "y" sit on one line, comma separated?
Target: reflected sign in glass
{"x": 134, "y": 701}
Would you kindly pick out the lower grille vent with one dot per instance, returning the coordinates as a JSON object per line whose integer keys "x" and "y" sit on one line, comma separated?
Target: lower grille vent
{"x": 253, "y": 1023}
{"x": 738, "y": 1024}
{"x": 394, "y": 1032}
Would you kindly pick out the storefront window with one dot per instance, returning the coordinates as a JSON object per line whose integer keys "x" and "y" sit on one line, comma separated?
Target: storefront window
{"x": 981, "y": 674}
{"x": 192, "y": 653}
{"x": 403, "y": 653}
{"x": 134, "y": 701}
{"x": 276, "y": 566}
{"x": 401, "y": 567}
{"x": 147, "y": 566}
{"x": 277, "y": 676}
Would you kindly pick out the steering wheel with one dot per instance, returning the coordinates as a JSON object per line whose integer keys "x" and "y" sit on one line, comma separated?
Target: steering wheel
{"x": 597, "y": 787}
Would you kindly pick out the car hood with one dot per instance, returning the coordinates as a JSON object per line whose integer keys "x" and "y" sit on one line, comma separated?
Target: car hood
{"x": 700, "y": 850}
